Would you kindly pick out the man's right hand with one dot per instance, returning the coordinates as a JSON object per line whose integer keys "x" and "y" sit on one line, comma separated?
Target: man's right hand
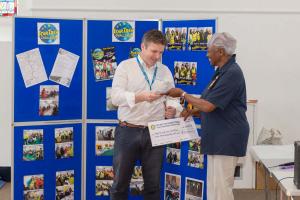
{"x": 147, "y": 96}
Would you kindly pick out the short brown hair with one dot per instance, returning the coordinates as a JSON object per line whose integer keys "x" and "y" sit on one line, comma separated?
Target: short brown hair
{"x": 154, "y": 36}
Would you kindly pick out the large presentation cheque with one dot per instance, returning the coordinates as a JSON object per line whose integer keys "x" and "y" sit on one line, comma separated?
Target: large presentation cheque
{"x": 172, "y": 130}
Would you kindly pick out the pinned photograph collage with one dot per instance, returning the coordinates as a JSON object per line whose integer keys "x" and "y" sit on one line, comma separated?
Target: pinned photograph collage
{"x": 105, "y": 136}
{"x": 48, "y": 101}
{"x": 195, "y": 158}
{"x": 31, "y": 63}
{"x": 33, "y": 70}
{"x": 185, "y": 73}
{"x": 105, "y": 176}
{"x": 172, "y": 188}
{"x": 34, "y": 186}
{"x": 33, "y": 144}
{"x": 65, "y": 185}
{"x": 188, "y": 38}
{"x": 104, "y": 59}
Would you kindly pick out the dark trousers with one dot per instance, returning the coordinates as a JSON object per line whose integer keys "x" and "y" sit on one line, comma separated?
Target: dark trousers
{"x": 132, "y": 144}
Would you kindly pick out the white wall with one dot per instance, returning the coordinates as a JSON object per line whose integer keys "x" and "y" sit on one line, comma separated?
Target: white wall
{"x": 6, "y": 34}
{"x": 5, "y": 105}
{"x": 24, "y": 9}
{"x": 6, "y": 29}
{"x": 159, "y": 5}
{"x": 268, "y": 42}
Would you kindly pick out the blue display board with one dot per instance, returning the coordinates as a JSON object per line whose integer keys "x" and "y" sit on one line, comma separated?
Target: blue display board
{"x": 184, "y": 53}
{"x": 100, "y": 36}
{"x": 99, "y": 160}
{"x": 104, "y": 40}
{"x": 27, "y": 101}
{"x": 47, "y": 158}
{"x": 40, "y": 157}
{"x": 99, "y": 154}
{"x": 189, "y": 173}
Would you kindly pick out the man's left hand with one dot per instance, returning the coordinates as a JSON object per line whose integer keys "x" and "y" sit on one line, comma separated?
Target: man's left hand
{"x": 170, "y": 112}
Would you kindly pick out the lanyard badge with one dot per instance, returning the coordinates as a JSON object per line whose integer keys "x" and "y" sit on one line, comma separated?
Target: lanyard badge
{"x": 145, "y": 75}
{"x": 213, "y": 83}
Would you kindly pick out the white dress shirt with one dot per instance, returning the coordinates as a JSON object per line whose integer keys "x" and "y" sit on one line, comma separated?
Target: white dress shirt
{"x": 129, "y": 80}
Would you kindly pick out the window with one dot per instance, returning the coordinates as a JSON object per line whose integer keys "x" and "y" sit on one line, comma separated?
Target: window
{"x": 8, "y": 7}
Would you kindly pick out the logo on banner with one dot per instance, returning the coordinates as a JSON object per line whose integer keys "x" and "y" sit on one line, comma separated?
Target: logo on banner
{"x": 98, "y": 54}
{"x": 134, "y": 52}
{"x": 152, "y": 127}
{"x": 123, "y": 31}
{"x": 48, "y": 33}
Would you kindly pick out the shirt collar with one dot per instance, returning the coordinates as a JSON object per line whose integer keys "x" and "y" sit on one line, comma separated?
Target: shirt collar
{"x": 143, "y": 63}
{"x": 229, "y": 63}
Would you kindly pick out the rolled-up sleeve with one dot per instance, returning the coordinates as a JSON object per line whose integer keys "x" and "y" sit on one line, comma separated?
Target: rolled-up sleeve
{"x": 119, "y": 94}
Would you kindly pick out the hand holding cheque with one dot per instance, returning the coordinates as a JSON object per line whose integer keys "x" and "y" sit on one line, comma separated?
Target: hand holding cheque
{"x": 177, "y": 92}
{"x": 173, "y": 130}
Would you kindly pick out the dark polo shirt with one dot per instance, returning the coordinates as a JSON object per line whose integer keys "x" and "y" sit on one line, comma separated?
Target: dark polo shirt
{"x": 225, "y": 130}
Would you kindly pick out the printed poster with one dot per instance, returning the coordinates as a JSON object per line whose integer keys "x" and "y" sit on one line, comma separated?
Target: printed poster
{"x": 32, "y": 67}
{"x": 123, "y": 31}
{"x": 33, "y": 187}
{"x": 64, "y": 67}
{"x": 48, "y": 33}
{"x": 65, "y": 185}
{"x": 49, "y": 99}
{"x": 104, "y": 63}
{"x": 176, "y": 38}
{"x": 104, "y": 180}
{"x": 198, "y": 37}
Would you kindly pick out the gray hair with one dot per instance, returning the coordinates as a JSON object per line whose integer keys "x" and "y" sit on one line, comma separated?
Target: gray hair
{"x": 223, "y": 40}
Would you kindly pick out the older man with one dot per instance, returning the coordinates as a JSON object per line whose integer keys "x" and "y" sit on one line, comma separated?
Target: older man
{"x": 222, "y": 108}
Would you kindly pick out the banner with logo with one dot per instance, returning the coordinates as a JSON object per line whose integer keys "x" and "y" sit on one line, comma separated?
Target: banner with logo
{"x": 123, "y": 31}
{"x": 48, "y": 33}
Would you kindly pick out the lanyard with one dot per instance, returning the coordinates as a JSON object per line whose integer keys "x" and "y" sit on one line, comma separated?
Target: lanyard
{"x": 215, "y": 78}
{"x": 145, "y": 75}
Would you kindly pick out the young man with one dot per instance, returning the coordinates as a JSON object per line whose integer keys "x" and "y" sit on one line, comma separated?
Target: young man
{"x": 136, "y": 90}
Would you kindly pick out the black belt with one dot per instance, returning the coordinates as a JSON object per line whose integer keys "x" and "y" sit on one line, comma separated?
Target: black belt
{"x": 124, "y": 123}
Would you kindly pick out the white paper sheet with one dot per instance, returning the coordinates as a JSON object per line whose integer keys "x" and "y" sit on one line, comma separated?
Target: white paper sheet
{"x": 172, "y": 130}
{"x": 189, "y": 130}
{"x": 64, "y": 67}
{"x": 32, "y": 67}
